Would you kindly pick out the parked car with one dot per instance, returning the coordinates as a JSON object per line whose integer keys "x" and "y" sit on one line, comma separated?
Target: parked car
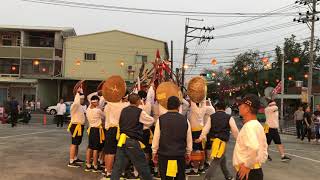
{"x": 53, "y": 109}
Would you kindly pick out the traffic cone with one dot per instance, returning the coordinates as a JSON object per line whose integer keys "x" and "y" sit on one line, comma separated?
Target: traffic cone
{"x": 44, "y": 119}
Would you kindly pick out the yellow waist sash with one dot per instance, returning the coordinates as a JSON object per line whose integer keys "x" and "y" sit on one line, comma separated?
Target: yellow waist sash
{"x": 255, "y": 166}
{"x": 172, "y": 168}
{"x": 266, "y": 128}
{"x": 123, "y": 139}
{"x": 118, "y": 130}
{"x": 218, "y": 148}
{"x": 196, "y": 129}
{"x": 77, "y": 131}
{"x": 101, "y": 133}
{"x": 150, "y": 137}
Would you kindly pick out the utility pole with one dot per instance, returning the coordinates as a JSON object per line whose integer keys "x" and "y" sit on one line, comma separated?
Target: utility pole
{"x": 309, "y": 16}
{"x": 282, "y": 89}
{"x": 188, "y": 37}
{"x": 171, "y": 75}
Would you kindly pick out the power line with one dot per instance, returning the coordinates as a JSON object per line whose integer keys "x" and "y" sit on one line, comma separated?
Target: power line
{"x": 152, "y": 11}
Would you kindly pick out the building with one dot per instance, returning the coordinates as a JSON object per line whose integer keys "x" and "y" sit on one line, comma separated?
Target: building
{"x": 95, "y": 57}
{"x": 31, "y": 62}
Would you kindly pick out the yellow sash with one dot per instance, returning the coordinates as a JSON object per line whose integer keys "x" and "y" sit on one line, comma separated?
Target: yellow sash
{"x": 123, "y": 138}
{"x": 266, "y": 128}
{"x": 101, "y": 133}
{"x": 172, "y": 168}
{"x": 150, "y": 137}
{"x": 196, "y": 129}
{"x": 118, "y": 130}
{"x": 255, "y": 166}
{"x": 77, "y": 131}
{"x": 218, "y": 148}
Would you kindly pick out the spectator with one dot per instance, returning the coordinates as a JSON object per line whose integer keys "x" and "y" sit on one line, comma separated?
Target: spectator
{"x": 61, "y": 110}
{"x": 32, "y": 105}
{"x": 298, "y": 118}
{"x": 307, "y": 120}
{"x": 38, "y": 104}
{"x": 317, "y": 122}
{"x": 14, "y": 110}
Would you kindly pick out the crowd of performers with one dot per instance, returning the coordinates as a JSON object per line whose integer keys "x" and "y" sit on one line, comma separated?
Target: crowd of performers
{"x": 139, "y": 138}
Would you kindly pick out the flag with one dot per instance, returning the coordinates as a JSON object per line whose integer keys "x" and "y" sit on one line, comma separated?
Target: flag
{"x": 277, "y": 89}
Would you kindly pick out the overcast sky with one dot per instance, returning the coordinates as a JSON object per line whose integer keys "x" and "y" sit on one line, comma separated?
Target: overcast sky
{"x": 166, "y": 28}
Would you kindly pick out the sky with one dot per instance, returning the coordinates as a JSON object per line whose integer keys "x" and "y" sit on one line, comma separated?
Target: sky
{"x": 164, "y": 27}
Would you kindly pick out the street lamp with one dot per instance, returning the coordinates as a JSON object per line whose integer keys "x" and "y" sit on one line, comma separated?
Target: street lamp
{"x": 121, "y": 63}
{"x": 306, "y": 76}
{"x": 36, "y": 62}
{"x": 186, "y": 66}
{"x": 213, "y": 62}
{"x": 290, "y": 78}
{"x": 296, "y": 60}
{"x": 213, "y": 74}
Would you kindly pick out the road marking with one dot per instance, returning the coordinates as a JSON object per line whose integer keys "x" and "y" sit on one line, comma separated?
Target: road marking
{"x": 5, "y": 137}
{"x": 301, "y": 157}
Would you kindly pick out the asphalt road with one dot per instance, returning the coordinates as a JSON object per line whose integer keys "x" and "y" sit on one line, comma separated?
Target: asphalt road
{"x": 37, "y": 152}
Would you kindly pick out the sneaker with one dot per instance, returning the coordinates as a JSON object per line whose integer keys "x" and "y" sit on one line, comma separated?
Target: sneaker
{"x": 156, "y": 175}
{"x": 202, "y": 171}
{"x": 192, "y": 173}
{"x": 73, "y": 165}
{"x": 269, "y": 158}
{"x": 79, "y": 161}
{"x": 318, "y": 140}
{"x": 105, "y": 177}
{"x": 229, "y": 178}
{"x": 88, "y": 169}
{"x": 285, "y": 158}
{"x": 98, "y": 169}
{"x": 131, "y": 176}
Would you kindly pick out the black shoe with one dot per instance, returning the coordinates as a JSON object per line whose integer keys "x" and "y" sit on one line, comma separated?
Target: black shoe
{"x": 202, "y": 171}
{"x": 79, "y": 161}
{"x": 105, "y": 177}
{"x": 285, "y": 158}
{"x": 88, "y": 169}
{"x": 192, "y": 173}
{"x": 131, "y": 177}
{"x": 229, "y": 178}
{"x": 269, "y": 158}
{"x": 73, "y": 165}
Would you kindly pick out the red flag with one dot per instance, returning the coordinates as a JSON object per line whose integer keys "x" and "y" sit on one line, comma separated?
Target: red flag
{"x": 158, "y": 54}
{"x": 277, "y": 89}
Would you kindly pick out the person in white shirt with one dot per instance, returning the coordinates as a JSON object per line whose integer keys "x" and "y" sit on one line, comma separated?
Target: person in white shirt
{"x": 198, "y": 112}
{"x": 271, "y": 129}
{"x": 102, "y": 101}
{"x": 76, "y": 128}
{"x": 218, "y": 129}
{"x": 61, "y": 110}
{"x": 112, "y": 116}
{"x": 172, "y": 142}
{"x": 251, "y": 148}
{"x": 95, "y": 134}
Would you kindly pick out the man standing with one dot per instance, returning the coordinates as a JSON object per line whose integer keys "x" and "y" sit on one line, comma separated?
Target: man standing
{"x": 172, "y": 142}
{"x": 132, "y": 120}
{"x": 317, "y": 122}
{"x": 76, "y": 127}
{"x": 272, "y": 123}
{"x": 251, "y": 149}
{"x": 298, "y": 118}
{"x": 61, "y": 110}
{"x": 14, "y": 110}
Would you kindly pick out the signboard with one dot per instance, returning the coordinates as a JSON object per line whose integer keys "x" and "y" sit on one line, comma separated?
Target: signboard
{"x": 304, "y": 95}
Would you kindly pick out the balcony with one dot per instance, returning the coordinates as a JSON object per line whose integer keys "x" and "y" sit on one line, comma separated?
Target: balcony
{"x": 27, "y": 52}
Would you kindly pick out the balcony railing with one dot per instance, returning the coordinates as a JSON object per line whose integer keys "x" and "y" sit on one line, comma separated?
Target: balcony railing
{"x": 27, "y": 52}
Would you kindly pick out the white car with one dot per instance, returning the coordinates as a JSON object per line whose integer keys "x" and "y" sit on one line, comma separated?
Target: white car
{"x": 53, "y": 109}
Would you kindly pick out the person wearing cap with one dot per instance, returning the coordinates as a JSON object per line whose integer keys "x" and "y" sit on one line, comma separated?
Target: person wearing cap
{"x": 172, "y": 142}
{"x": 76, "y": 127}
{"x": 132, "y": 120}
{"x": 251, "y": 148}
{"x": 271, "y": 129}
{"x": 95, "y": 134}
{"x": 217, "y": 130}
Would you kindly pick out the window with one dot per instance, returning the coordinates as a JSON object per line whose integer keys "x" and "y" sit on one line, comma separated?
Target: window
{"x": 18, "y": 41}
{"x": 142, "y": 58}
{"x": 89, "y": 56}
{"x": 6, "y": 40}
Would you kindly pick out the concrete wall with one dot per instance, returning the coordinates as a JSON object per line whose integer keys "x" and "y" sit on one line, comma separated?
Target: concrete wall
{"x": 47, "y": 92}
{"x": 111, "y": 48}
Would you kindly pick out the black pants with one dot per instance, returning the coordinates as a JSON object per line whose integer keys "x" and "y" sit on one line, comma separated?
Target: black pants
{"x": 215, "y": 163}
{"x": 59, "y": 120}
{"x": 307, "y": 130}
{"x": 255, "y": 174}
{"x": 299, "y": 127}
{"x": 14, "y": 118}
{"x": 163, "y": 163}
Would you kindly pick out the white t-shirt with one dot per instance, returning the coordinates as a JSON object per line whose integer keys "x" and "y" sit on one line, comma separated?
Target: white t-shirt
{"x": 94, "y": 117}
{"x": 61, "y": 109}
{"x": 251, "y": 145}
{"x": 272, "y": 116}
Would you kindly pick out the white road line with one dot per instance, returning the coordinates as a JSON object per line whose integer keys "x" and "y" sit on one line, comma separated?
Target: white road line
{"x": 301, "y": 157}
{"x": 5, "y": 137}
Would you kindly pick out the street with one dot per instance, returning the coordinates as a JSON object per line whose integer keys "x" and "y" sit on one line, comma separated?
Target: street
{"x": 35, "y": 151}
